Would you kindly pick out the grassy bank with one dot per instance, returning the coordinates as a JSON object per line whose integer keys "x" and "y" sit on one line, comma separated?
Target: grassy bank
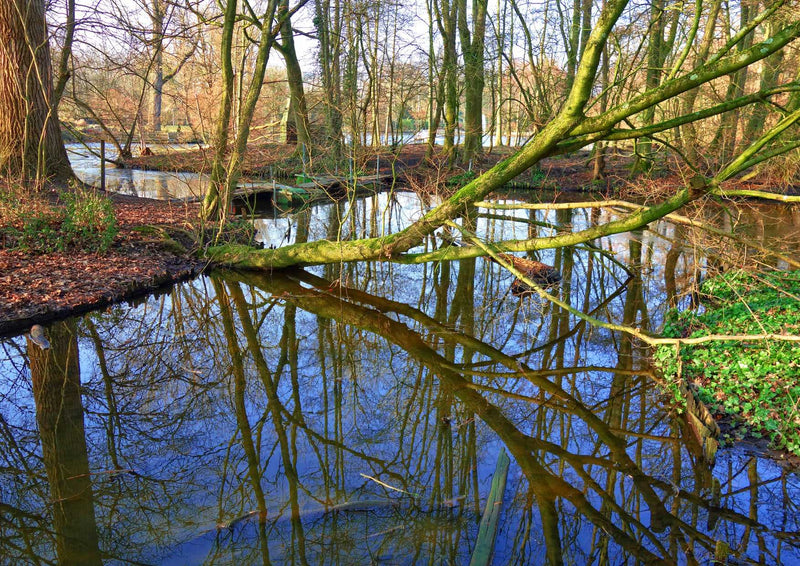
{"x": 757, "y": 382}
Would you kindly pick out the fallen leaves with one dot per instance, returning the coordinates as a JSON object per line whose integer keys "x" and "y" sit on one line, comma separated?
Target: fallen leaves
{"x": 35, "y": 288}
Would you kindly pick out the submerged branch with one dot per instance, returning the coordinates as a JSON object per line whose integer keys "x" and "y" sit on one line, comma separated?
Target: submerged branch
{"x": 635, "y": 332}
{"x": 672, "y": 216}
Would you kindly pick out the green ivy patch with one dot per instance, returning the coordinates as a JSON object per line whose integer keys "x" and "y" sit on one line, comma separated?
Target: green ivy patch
{"x": 756, "y": 382}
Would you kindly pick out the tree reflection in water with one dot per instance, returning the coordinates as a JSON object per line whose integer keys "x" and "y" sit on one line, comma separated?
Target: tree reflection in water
{"x": 55, "y": 376}
{"x": 256, "y": 419}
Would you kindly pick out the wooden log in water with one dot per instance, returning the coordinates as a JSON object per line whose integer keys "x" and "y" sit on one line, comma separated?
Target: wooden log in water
{"x": 318, "y": 189}
{"x": 487, "y": 532}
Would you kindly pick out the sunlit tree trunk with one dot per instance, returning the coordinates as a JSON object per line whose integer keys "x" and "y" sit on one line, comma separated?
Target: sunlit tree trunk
{"x": 212, "y": 206}
{"x": 794, "y": 97}
{"x": 157, "y": 19}
{"x": 497, "y": 90}
{"x": 725, "y": 140}
{"x": 221, "y": 201}
{"x": 446, "y": 19}
{"x": 63, "y": 72}
{"x": 355, "y": 109}
{"x": 328, "y": 22}
{"x": 161, "y": 14}
{"x": 689, "y": 131}
{"x": 250, "y": 101}
{"x": 770, "y": 73}
{"x": 435, "y": 84}
{"x": 655, "y": 58}
{"x": 389, "y": 130}
{"x": 375, "y": 65}
{"x": 298, "y": 111}
{"x": 571, "y": 37}
{"x": 472, "y": 45}
{"x": 30, "y": 136}
{"x": 599, "y": 150}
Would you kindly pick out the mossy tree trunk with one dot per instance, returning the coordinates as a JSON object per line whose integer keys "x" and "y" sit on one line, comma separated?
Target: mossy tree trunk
{"x": 435, "y": 83}
{"x": 688, "y": 131}
{"x": 298, "y": 110}
{"x": 225, "y": 176}
{"x": 655, "y": 57}
{"x": 472, "y": 44}
{"x": 724, "y": 143}
{"x": 328, "y": 22}
{"x": 770, "y": 73}
{"x": 211, "y": 204}
{"x": 447, "y": 21}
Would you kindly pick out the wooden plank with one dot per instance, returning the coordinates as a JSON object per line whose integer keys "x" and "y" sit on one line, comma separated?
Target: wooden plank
{"x": 487, "y": 532}
{"x": 249, "y": 189}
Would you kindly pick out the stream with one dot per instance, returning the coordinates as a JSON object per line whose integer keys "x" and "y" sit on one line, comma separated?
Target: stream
{"x": 355, "y": 413}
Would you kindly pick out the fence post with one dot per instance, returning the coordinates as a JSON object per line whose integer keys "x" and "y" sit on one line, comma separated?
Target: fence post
{"x": 102, "y": 165}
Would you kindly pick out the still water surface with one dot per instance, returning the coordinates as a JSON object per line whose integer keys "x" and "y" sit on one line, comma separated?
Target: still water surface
{"x": 163, "y": 185}
{"x": 355, "y": 414}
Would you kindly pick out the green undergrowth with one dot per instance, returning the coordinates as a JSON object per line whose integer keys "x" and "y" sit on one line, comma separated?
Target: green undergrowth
{"x": 81, "y": 220}
{"x": 461, "y": 179}
{"x": 756, "y": 382}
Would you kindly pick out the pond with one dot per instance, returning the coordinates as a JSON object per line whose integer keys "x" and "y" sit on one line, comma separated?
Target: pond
{"x": 162, "y": 185}
{"x": 359, "y": 413}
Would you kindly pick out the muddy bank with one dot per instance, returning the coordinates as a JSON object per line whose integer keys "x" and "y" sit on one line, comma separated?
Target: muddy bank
{"x": 38, "y": 288}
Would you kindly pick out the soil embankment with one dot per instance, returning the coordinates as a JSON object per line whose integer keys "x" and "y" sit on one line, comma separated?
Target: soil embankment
{"x": 39, "y": 287}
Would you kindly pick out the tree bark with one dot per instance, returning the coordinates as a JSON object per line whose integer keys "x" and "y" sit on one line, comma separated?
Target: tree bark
{"x": 328, "y": 22}
{"x": 655, "y": 59}
{"x": 688, "y": 132}
{"x": 30, "y": 136}
{"x": 472, "y": 45}
{"x": 232, "y": 173}
{"x": 157, "y": 19}
{"x": 446, "y": 19}
{"x": 770, "y": 73}
{"x": 298, "y": 112}
{"x": 66, "y": 53}
{"x": 212, "y": 202}
{"x": 725, "y": 141}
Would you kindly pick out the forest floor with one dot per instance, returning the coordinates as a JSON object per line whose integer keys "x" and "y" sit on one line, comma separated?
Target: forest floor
{"x": 38, "y": 286}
